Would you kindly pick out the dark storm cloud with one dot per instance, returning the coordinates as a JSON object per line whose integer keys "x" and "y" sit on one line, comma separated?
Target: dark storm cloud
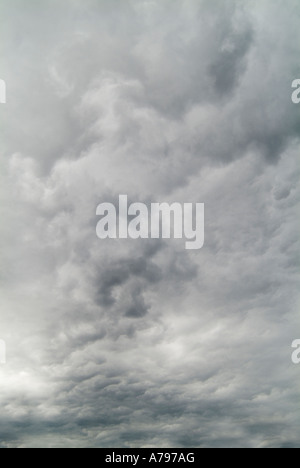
{"x": 227, "y": 66}
{"x": 125, "y": 343}
{"x": 118, "y": 273}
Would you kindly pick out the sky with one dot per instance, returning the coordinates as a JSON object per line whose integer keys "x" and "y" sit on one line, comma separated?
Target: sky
{"x": 141, "y": 343}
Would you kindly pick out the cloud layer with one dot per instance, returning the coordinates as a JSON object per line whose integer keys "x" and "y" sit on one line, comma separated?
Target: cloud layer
{"x": 142, "y": 343}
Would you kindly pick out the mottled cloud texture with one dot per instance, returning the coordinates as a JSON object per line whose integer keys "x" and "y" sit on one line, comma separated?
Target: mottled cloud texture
{"x": 142, "y": 343}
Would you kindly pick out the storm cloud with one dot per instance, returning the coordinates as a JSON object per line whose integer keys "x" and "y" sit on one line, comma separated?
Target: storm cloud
{"x": 123, "y": 343}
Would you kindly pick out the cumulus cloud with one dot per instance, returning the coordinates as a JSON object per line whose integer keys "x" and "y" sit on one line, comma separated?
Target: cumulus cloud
{"x": 142, "y": 343}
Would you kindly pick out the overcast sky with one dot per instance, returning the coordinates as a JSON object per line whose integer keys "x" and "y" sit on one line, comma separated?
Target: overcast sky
{"x": 143, "y": 343}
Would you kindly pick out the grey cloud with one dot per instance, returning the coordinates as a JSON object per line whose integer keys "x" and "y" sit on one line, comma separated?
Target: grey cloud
{"x": 125, "y": 343}
{"x": 227, "y": 68}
